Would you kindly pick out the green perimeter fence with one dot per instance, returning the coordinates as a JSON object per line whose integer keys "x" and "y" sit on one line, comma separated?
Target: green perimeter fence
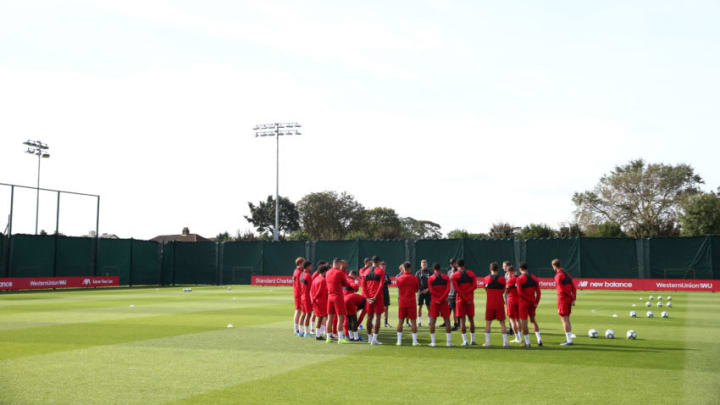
{"x": 139, "y": 262}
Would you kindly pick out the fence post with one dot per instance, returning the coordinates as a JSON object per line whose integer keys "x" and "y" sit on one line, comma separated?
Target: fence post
{"x": 173, "y": 263}
{"x": 132, "y": 263}
{"x": 217, "y": 263}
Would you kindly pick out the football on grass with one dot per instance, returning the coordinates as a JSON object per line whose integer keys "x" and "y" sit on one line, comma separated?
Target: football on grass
{"x": 610, "y": 334}
{"x": 650, "y": 314}
{"x": 631, "y": 334}
{"x": 665, "y": 315}
{"x": 633, "y": 314}
{"x": 593, "y": 333}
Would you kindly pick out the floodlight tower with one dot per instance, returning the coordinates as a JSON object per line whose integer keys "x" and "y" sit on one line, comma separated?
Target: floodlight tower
{"x": 277, "y": 130}
{"x": 38, "y": 149}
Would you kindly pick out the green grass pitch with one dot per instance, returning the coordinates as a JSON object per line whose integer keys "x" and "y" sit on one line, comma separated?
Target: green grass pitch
{"x": 91, "y": 347}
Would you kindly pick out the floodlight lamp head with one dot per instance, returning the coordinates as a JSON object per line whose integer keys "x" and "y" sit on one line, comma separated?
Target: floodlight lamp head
{"x": 46, "y": 155}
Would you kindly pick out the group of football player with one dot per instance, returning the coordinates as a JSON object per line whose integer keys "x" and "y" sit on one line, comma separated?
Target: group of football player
{"x": 332, "y": 302}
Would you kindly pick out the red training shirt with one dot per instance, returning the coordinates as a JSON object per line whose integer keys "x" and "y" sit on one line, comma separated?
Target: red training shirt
{"x": 528, "y": 288}
{"x": 296, "y": 281}
{"x": 336, "y": 280}
{"x": 465, "y": 283}
{"x": 439, "y": 286}
{"x": 407, "y": 285}
{"x": 318, "y": 292}
{"x": 372, "y": 282}
{"x": 565, "y": 287}
{"x": 495, "y": 288}
{"x": 511, "y": 288}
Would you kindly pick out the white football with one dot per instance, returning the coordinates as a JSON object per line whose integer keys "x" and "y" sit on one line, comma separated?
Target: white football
{"x": 650, "y": 298}
{"x": 633, "y": 314}
{"x": 650, "y": 314}
{"x": 669, "y": 304}
{"x": 132, "y": 306}
{"x": 659, "y": 304}
{"x": 610, "y": 334}
{"x": 659, "y": 297}
{"x": 615, "y": 315}
{"x": 647, "y": 304}
{"x": 665, "y": 315}
{"x": 669, "y": 298}
{"x": 230, "y": 325}
{"x": 631, "y": 334}
{"x": 633, "y": 305}
{"x": 593, "y": 333}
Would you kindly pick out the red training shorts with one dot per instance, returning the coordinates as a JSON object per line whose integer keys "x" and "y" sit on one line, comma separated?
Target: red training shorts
{"x": 495, "y": 312}
{"x": 513, "y": 309}
{"x": 320, "y": 308}
{"x": 464, "y": 308}
{"x": 407, "y": 312}
{"x": 305, "y": 305}
{"x": 439, "y": 308}
{"x": 564, "y": 308}
{"x": 352, "y": 301}
{"x": 336, "y": 305}
{"x": 298, "y": 302}
{"x": 525, "y": 310}
{"x": 378, "y": 307}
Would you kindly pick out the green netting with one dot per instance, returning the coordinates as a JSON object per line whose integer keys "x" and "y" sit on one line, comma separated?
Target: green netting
{"x": 437, "y": 251}
{"x": 609, "y": 257}
{"x": 328, "y": 250}
{"x": 279, "y": 257}
{"x": 146, "y": 264}
{"x": 681, "y": 258}
{"x": 715, "y": 243}
{"x": 32, "y": 256}
{"x": 168, "y": 263}
{"x": 541, "y": 252}
{"x": 75, "y": 256}
{"x": 114, "y": 259}
{"x": 240, "y": 260}
{"x": 391, "y": 251}
{"x": 3, "y": 256}
{"x": 195, "y": 263}
{"x": 479, "y": 254}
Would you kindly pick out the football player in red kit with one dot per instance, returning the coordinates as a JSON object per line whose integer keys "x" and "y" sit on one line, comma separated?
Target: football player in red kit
{"x": 336, "y": 279}
{"x": 353, "y": 302}
{"x": 372, "y": 289}
{"x": 407, "y": 285}
{"x": 296, "y": 294}
{"x": 319, "y": 297}
{"x": 494, "y": 304}
{"x": 528, "y": 288}
{"x": 465, "y": 283}
{"x": 513, "y": 303}
{"x": 439, "y": 286}
{"x": 305, "y": 299}
{"x": 566, "y": 295}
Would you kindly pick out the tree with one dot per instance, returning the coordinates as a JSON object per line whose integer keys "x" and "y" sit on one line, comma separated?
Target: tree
{"x": 247, "y": 236}
{"x": 570, "y": 231}
{"x": 502, "y": 230}
{"x": 642, "y": 198}
{"x": 328, "y": 215}
{"x": 299, "y": 235}
{"x": 223, "y": 237}
{"x": 605, "y": 230}
{"x": 420, "y": 229}
{"x": 537, "y": 231}
{"x": 262, "y": 216}
{"x": 381, "y": 223}
{"x": 701, "y": 215}
{"x": 463, "y": 234}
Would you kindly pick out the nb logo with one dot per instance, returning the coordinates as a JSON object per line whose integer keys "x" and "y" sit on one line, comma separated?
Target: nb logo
{"x": 583, "y": 284}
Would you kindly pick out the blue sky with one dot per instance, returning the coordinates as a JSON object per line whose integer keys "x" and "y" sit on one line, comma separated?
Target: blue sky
{"x": 464, "y": 113}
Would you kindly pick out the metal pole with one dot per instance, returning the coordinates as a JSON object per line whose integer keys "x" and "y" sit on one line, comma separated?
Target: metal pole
{"x": 37, "y": 198}
{"x": 277, "y": 183}
{"x": 57, "y": 214}
{"x": 12, "y": 200}
{"x": 97, "y": 237}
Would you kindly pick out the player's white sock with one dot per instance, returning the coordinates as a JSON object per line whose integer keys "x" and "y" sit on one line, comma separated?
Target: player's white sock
{"x": 518, "y": 336}
{"x": 296, "y": 330}
{"x": 414, "y": 337}
{"x": 419, "y": 319}
{"x": 472, "y": 337}
{"x": 487, "y": 338}
{"x": 373, "y": 337}
{"x": 464, "y": 338}
{"x": 305, "y": 329}
{"x": 399, "y": 335}
{"x": 568, "y": 336}
{"x": 537, "y": 335}
{"x": 505, "y": 336}
{"x": 340, "y": 335}
{"x": 448, "y": 338}
{"x": 527, "y": 339}
{"x": 432, "y": 338}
